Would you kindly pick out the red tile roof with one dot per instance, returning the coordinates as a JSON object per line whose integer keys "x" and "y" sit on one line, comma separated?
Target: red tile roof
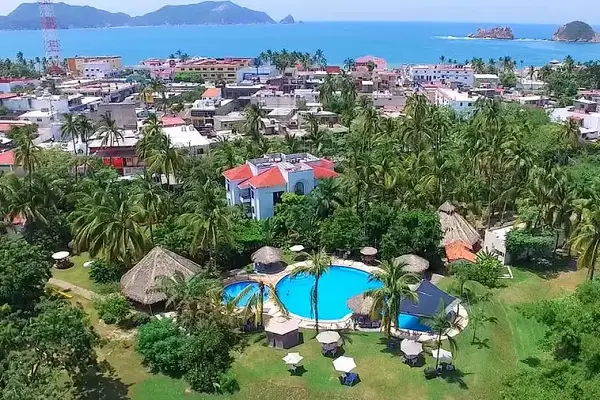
{"x": 238, "y": 173}
{"x": 4, "y": 96}
{"x": 7, "y": 158}
{"x": 211, "y": 93}
{"x": 323, "y": 173}
{"x": 333, "y": 69}
{"x": 172, "y": 121}
{"x": 269, "y": 178}
{"x": 460, "y": 251}
{"x": 325, "y": 163}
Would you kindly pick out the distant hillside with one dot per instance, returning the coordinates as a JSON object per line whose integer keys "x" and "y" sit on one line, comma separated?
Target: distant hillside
{"x": 27, "y": 16}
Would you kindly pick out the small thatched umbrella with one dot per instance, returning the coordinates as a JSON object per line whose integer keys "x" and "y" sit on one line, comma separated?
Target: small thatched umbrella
{"x": 360, "y": 304}
{"x": 455, "y": 227}
{"x": 412, "y": 263}
{"x": 267, "y": 255}
{"x": 368, "y": 251}
{"x": 137, "y": 283}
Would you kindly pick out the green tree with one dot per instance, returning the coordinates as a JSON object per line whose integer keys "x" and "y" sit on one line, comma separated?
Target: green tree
{"x": 415, "y": 232}
{"x": 343, "y": 230}
{"x": 317, "y": 266}
{"x": 152, "y": 202}
{"x": 395, "y": 288}
{"x": 441, "y": 324}
{"x": 586, "y": 241}
{"x": 254, "y": 125}
{"x": 255, "y": 301}
{"x": 109, "y": 133}
{"x": 166, "y": 160}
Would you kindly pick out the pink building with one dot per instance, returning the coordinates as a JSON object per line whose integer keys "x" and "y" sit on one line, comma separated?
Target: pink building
{"x": 363, "y": 62}
{"x": 161, "y": 69}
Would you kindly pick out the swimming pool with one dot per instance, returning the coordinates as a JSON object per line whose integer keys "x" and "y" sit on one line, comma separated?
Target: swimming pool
{"x": 335, "y": 288}
{"x": 233, "y": 290}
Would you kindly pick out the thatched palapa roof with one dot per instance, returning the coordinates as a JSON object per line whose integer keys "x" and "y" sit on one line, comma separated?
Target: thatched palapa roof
{"x": 137, "y": 283}
{"x": 267, "y": 255}
{"x": 455, "y": 227}
{"x": 412, "y": 263}
{"x": 360, "y": 304}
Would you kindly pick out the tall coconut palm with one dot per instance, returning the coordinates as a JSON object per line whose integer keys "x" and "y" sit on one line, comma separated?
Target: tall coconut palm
{"x": 106, "y": 224}
{"x": 152, "y": 202}
{"x": 315, "y": 133}
{"x": 570, "y": 132}
{"x": 151, "y": 140}
{"x": 109, "y": 133}
{"x": 327, "y": 196}
{"x": 586, "y": 240}
{"x": 254, "y": 125}
{"x": 166, "y": 160}
{"x": 349, "y": 64}
{"x": 26, "y": 152}
{"x": 85, "y": 129}
{"x": 388, "y": 298}
{"x": 319, "y": 58}
{"x": 317, "y": 266}
{"x": 25, "y": 201}
{"x": 255, "y": 301}
{"x": 327, "y": 89}
{"x": 440, "y": 323}
{"x": 157, "y": 86}
{"x": 70, "y": 130}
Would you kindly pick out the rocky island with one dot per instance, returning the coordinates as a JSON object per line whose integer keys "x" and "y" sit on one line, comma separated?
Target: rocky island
{"x": 288, "y": 20}
{"x": 499, "y": 32}
{"x": 576, "y": 31}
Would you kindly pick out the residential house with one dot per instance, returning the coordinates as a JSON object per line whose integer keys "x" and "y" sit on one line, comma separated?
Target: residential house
{"x": 457, "y": 75}
{"x": 123, "y": 113}
{"x": 486, "y": 81}
{"x": 364, "y": 62}
{"x": 461, "y": 102}
{"x": 259, "y": 183}
{"x": 76, "y": 65}
{"x": 216, "y": 69}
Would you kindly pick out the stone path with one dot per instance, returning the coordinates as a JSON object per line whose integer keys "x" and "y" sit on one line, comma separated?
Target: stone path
{"x": 69, "y": 287}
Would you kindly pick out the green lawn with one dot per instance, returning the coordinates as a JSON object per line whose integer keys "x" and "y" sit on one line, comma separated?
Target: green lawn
{"x": 77, "y": 274}
{"x": 503, "y": 347}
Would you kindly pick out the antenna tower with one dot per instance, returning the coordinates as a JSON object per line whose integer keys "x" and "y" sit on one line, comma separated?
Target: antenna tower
{"x": 51, "y": 41}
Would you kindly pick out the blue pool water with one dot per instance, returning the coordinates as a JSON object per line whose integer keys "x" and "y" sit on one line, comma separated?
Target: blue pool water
{"x": 233, "y": 290}
{"x": 335, "y": 288}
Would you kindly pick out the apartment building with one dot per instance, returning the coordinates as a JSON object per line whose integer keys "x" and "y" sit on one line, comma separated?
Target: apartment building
{"x": 454, "y": 75}
{"x": 76, "y": 65}
{"x": 217, "y": 69}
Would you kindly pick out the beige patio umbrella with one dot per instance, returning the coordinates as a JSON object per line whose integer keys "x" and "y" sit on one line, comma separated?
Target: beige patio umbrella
{"x": 368, "y": 251}
{"x": 292, "y": 358}
{"x": 344, "y": 364}
{"x": 412, "y": 263}
{"x": 328, "y": 337}
{"x": 360, "y": 304}
{"x": 267, "y": 255}
{"x": 411, "y": 348}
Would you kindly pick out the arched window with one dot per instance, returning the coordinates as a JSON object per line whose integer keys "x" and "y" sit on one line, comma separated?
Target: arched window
{"x": 299, "y": 188}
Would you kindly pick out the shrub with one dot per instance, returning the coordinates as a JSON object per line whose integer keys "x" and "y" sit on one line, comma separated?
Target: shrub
{"x": 161, "y": 344}
{"x": 108, "y": 288}
{"x": 138, "y": 318}
{"x": 228, "y": 383}
{"x": 113, "y": 308}
{"x": 103, "y": 272}
{"x": 486, "y": 270}
{"x": 521, "y": 243}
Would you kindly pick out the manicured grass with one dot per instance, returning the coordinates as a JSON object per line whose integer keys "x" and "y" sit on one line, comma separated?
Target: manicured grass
{"x": 77, "y": 274}
{"x": 501, "y": 348}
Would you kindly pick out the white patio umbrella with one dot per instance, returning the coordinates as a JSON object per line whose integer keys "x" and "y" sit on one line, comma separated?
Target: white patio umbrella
{"x": 292, "y": 358}
{"x": 411, "y": 348}
{"x": 344, "y": 364}
{"x": 328, "y": 337}
{"x": 61, "y": 255}
{"x": 297, "y": 248}
{"x": 443, "y": 356}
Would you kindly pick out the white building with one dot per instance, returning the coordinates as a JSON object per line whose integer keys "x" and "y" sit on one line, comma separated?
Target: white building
{"x": 259, "y": 184}
{"x": 461, "y": 102}
{"x": 488, "y": 81}
{"x": 495, "y": 243}
{"x": 187, "y": 137}
{"x": 589, "y": 123}
{"x": 97, "y": 70}
{"x": 271, "y": 99}
{"x": 449, "y": 74}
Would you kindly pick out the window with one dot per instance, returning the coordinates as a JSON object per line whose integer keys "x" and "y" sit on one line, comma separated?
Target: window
{"x": 299, "y": 188}
{"x": 251, "y": 193}
{"x": 228, "y": 186}
{"x": 38, "y": 119}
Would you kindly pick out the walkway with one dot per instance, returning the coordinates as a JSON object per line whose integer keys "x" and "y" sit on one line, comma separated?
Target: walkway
{"x": 79, "y": 291}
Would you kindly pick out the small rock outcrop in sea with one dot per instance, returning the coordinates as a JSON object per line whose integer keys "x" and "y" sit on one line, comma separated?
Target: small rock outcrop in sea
{"x": 288, "y": 20}
{"x": 499, "y": 32}
{"x": 576, "y": 31}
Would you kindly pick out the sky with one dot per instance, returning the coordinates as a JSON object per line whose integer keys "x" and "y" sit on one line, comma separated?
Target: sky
{"x": 515, "y": 11}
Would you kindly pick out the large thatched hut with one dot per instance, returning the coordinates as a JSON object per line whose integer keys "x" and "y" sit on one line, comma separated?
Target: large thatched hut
{"x": 267, "y": 259}
{"x": 138, "y": 282}
{"x": 455, "y": 227}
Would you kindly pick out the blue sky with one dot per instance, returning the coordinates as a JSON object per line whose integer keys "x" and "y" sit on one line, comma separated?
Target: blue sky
{"x": 516, "y": 11}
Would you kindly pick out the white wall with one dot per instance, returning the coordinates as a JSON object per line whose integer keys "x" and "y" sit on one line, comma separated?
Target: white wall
{"x": 263, "y": 201}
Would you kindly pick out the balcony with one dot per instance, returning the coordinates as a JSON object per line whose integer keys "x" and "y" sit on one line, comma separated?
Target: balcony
{"x": 245, "y": 196}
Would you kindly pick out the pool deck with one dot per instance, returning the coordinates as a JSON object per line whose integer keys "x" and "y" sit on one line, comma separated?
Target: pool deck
{"x": 270, "y": 309}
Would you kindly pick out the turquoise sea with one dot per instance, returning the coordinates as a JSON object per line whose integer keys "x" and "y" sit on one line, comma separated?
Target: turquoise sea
{"x": 397, "y": 42}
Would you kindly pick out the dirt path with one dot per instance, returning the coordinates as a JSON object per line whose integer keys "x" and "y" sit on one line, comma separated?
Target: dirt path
{"x": 85, "y": 293}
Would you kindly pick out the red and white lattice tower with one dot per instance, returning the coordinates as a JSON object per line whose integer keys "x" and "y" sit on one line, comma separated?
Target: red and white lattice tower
{"x": 51, "y": 42}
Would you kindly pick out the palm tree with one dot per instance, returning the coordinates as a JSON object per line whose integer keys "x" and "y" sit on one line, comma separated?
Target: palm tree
{"x": 165, "y": 159}
{"x": 317, "y": 266}
{"x": 571, "y": 132}
{"x": 27, "y": 201}
{"x": 86, "y": 129}
{"x": 319, "y": 58}
{"x": 151, "y": 201}
{"x": 255, "y": 303}
{"x": 109, "y": 132}
{"x": 152, "y": 135}
{"x": 70, "y": 130}
{"x": 315, "y": 134}
{"x": 478, "y": 65}
{"x": 326, "y": 197}
{"x": 157, "y": 86}
{"x": 327, "y": 89}
{"x": 106, "y": 223}
{"x": 253, "y": 122}
{"x": 442, "y": 59}
{"x": 388, "y": 298}
{"x": 440, "y": 324}
{"x": 26, "y": 152}
{"x": 349, "y": 64}
{"x": 586, "y": 240}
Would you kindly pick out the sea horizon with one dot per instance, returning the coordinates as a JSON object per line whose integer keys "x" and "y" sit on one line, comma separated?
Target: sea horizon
{"x": 399, "y": 42}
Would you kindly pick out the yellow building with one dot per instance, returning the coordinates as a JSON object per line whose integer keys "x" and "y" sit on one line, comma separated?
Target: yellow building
{"x": 216, "y": 69}
{"x": 76, "y": 64}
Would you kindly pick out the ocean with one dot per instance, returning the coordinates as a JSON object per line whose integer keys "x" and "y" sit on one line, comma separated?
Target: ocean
{"x": 397, "y": 42}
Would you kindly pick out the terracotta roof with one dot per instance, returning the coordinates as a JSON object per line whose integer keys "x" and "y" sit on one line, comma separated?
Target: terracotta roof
{"x": 172, "y": 121}
{"x": 7, "y": 158}
{"x": 323, "y": 173}
{"x": 238, "y": 173}
{"x": 269, "y": 178}
{"x": 4, "y": 96}
{"x": 211, "y": 92}
{"x": 325, "y": 163}
{"x": 460, "y": 251}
